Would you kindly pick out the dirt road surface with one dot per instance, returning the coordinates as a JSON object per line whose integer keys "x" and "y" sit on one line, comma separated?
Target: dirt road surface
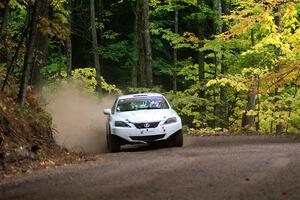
{"x": 223, "y": 167}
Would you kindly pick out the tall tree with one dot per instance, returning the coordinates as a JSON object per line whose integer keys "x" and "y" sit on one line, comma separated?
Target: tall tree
{"x": 95, "y": 46}
{"x": 278, "y": 23}
{"x": 248, "y": 120}
{"x": 135, "y": 67}
{"x": 144, "y": 43}
{"x": 224, "y": 67}
{"x": 69, "y": 42}
{"x": 4, "y": 17}
{"x": 41, "y": 57}
{"x": 175, "y": 49}
{"x": 30, "y": 48}
{"x": 218, "y": 14}
{"x": 3, "y": 29}
{"x": 200, "y": 60}
{"x": 11, "y": 64}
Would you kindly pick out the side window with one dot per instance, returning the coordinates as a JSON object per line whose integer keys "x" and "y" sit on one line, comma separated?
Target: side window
{"x": 166, "y": 104}
{"x": 114, "y": 107}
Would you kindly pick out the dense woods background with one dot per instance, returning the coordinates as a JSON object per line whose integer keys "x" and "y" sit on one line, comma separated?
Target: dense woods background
{"x": 223, "y": 64}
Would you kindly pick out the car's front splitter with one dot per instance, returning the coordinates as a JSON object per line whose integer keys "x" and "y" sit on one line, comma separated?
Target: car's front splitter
{"x": 134, "y": 135}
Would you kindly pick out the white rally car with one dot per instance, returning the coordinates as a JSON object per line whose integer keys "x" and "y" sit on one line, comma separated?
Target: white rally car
{"x": 142, "y": 118}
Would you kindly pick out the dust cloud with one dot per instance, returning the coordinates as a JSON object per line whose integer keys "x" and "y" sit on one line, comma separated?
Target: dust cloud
{"x": 78, "y": 119}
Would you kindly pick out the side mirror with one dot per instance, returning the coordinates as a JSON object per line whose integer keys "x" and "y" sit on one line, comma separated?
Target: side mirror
{"x": 107, "y": 111}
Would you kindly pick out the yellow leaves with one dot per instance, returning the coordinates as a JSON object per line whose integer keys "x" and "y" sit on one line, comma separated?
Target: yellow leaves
{"x": 232, "y": 82}
{"x": 246, "y": 16}
{"x": 21, "y": 5}
{"x": 240, "y": 87}
{"x": 191, "y": 38}
{"x": 257, "y": 71}
{"x": 272, "y": 39}
{"x": 154, "y": 3}
{"x": 211, "y": 83}
{"x": 251, "y": 113}
{"x": 110, "y": 88}
{"x": 88, "y": 78}
{"x": 251, "y": 72}
{"x": 250, "y": 13}
{"x": 267, "y": 22}
{"x": 56, "y": 3}
{"x": 294, "y": 39}
{"x": 289, "y": 18}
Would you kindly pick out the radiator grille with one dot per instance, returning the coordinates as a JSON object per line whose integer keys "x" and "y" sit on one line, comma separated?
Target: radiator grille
{"x": 146, "y": 125}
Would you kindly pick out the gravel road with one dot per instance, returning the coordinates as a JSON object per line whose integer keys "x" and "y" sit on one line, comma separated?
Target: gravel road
{"x": 223, "y": 167}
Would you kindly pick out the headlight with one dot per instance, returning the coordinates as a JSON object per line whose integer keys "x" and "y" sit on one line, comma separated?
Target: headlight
{"x": 121, "y": 124}
{"x": 171, "y": 120}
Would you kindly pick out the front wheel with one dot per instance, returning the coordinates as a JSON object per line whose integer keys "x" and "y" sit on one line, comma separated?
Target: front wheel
{"x": 113, "y": 144}
{"x": 178, "y": 139}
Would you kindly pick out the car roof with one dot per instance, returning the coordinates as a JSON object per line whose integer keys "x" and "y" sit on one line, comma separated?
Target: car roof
{"x": 140, "y": 95}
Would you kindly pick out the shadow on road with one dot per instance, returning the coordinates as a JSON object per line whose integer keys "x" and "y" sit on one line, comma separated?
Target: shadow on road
{"x": 145, "y": 147}
{"x": 214, "y": 141}
{"x": 211, "y": 141}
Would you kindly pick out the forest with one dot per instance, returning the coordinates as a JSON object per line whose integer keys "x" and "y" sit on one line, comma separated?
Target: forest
{"x": 225, "y": 65}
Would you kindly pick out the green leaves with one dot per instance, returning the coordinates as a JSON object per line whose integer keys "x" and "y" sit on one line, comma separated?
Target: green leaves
{"x": 115, "y": 51}
{"x": 56, "y": 68}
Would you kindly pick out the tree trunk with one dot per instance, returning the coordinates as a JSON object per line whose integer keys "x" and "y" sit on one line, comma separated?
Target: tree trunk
{"x": 12, "y": 61}
{"x": 69, "y": 57}
{"x": 218, "y": 29}
{"x": 144, "y": 43}
{"x": 40, "y": 61}
{"x": 248, "y": 120}
{"x": 141, "y": 78}
{"x": 294, "y": 97}
{"x": 100, "y": 11}
{"x": 251, "y": 101}
{"x": 225, "y": 108}
{"x": 218, "y": 13}
{"x": 95, "y": 46}
{"x": 69, "y": 44}
{"x": 279, "y": 127}
{"x": 175, "y": 52}
{"x": 42, "y": 56}
{"x": 4, "y": 18}
{"x": 100, "y": 32}
{"x": 135, "y": 44}
{"x": 3, "y": 31}
{"x": 200, "y": 57}
{"x": 30, "y": 47}
{"x": 214, "y": 92}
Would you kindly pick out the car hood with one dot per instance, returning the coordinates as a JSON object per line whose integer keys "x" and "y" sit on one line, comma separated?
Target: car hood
{"x": 146, "y": 115}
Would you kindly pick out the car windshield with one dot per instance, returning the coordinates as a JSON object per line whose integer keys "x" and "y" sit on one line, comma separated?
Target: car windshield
{"x": 142, "y": 103}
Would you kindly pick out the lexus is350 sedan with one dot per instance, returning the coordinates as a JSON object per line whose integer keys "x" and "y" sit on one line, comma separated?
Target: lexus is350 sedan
{"x": 142, "y": 118}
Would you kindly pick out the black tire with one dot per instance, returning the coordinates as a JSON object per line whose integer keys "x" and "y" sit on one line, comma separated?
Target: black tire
{"x": 178, "y": 139}
{"x": 113, "y": 143}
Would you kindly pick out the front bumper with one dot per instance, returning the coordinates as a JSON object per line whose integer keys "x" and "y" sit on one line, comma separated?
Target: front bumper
{"x": 146, "y": 135}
